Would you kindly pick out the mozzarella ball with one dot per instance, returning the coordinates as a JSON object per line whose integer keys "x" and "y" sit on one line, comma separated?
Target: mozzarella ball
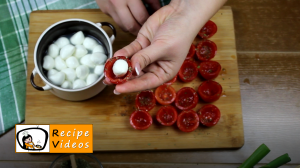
{"x": 53, "y": 50}
{"x": 91, "y": 78}
{"x": 89, "y": 43}
{"x": 82, "y": 71}
{"x": 67, "y": 51}
{"x": 99, "y": 48}
{"x": 98, "y": 58}
{"x": 99, "y": 69}
{"x": 51, "y": 72}
{"x": 67, "y": 85}
{"x": 57, "y": 78}
{"x": 80, "y": 51}
{"x": 77, "y": 38}
{"x": 87, "y": 61}
{"x": 72, "y": 62}
{"x": 48, "y": 62}
{"x": 79, "y": 83}
{"x": 62, "y": 41}
{"x": 70, "y": 74}
{"x": 60, "y": 64}
{"x": 120, "y": 68}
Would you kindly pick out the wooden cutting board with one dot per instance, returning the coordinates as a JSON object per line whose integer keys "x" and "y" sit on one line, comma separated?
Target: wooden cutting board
{"x": 109, "y": 113}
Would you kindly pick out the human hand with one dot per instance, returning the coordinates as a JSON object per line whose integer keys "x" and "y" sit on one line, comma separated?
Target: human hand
{"x": 130, "y": 15}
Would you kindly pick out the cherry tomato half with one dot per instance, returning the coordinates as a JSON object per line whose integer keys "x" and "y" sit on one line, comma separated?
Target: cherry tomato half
{"x": 145, "y": 100}
{"x": 191, "y": 52}
{"x": 108, "y": 72}
{"x": 208, "y": 30}
{"x": 186, "y": 98}
{"x": 206, "y": 50}
{"x": 210, "y": 91}
{"x": 165, "y": 94}
{"x": 166, "y": 115}
{"x": 188, "y": 121}
{"x": 188, "y": 71}
{"x": 209, "y": 115}
{"x": 170, "y": 82}
{"x": 140, "y": 120}
{"x": 209, "y": 69}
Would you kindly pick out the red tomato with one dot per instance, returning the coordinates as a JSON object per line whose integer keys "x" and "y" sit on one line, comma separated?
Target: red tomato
{"x": 188, "y": 71}
{"x": 165, "y": 94}
{"x": 145, "y": 100}
{"x": 140, "y": 120}
{"x": 188, "y": 121}
{"x": 108, "y": 72}
{"x": 209, "y": 115}
{"x": 206, "y": 50}
{"x": 209, "y": 69}
{"x": 208, "y": 30}
{"x": 191, "y": 52}
{"x": 166, "y": 115}
{"x": 170, "y": 82}
{"x": 186, "y": 98}
{"x": 210, "y": 91}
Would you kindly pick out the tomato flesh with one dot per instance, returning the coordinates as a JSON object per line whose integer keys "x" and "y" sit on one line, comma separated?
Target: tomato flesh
{"x": 165, "y": 94}
{"x": 191, "y": 52}
{"x": 208, "y": 30}
{"x": 186, "y": 98}
{"x": 145, "y": 100}
{"x": 209, "y": 115}
{"x": 188, "y": 71}
{"x": 188, "y": 121}
{"x": 108, "y": 72}
{"x": 140, "y": 120}
{"x": 166, "y": 115}
{"x": 210, "y": 91}
{"x": 209, "y": 69}
{"x": 206, "y": 50}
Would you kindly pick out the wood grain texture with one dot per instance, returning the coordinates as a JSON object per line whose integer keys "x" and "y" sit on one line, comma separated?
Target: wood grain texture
{"x": 109, "y": 113}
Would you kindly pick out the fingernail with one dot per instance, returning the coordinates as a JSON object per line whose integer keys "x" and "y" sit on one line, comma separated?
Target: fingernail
{"x": 137, "y": 69}
{"x": 104, "y": 82}
{"x": 116, "y": 93}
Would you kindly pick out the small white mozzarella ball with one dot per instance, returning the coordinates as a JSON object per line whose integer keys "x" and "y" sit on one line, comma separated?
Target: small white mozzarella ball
{"x": 67, "y": 85}
{"x": 62, "y": 41}
{"x": 89, "y": 43}
{"x": 87, "y": 61}
{"x": 77, "y": 38}
{"x": 57, "y": 78}
{"x": 79, "y": 83}
{"x": 99, "y": 69}
{"x": 99, "y": 48}
{"x": 53, "y": 50}
{"x": 80, "y": 51}
{"x": 98, "y": 58}
{"x": 70, "y": 74}
{"x": 48, "y": 62}
{"x": 120, "y": 68}
{"x": 51, "y": 72}
{"x": 72, "y": 62}
{"x": 60, "y": 64}
{"x": 82, "y": 71}
{"x": 91, "y": 78}
{"x": 67, "y": 51}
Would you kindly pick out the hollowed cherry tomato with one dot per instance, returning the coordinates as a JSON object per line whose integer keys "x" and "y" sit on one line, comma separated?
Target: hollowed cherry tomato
{"x": 209, "y": 115}
{"x": 208, "y": 30}
{"x": 165, "y": 94}
{"x": 166, "y": 115}
{"x": 140, "y": 120}
{"x": 170, "y": 82}
{"x": 188, "y": 71}
{"x": 145, "y": 100}
{"x": 186, "y": 98}
{"x": 210, "y": 91}
{"x": 108, "y": 72}
{"x": 206, "y": 50}
{"x": 188, "y": 121}
{"x": 191, "y": 52}
{"x": 209, "y": 69}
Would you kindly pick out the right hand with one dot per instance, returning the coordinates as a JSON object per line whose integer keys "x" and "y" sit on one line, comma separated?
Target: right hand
{"x": 130, "y": 15}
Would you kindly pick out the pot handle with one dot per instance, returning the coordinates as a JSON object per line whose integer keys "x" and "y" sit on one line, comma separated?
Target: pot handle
{"x": 113, "y": 37}
{"x": 46, "y": 87}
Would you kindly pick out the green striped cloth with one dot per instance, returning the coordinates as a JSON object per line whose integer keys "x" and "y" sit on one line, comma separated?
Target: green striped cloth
{"x": 14, "y": 26}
